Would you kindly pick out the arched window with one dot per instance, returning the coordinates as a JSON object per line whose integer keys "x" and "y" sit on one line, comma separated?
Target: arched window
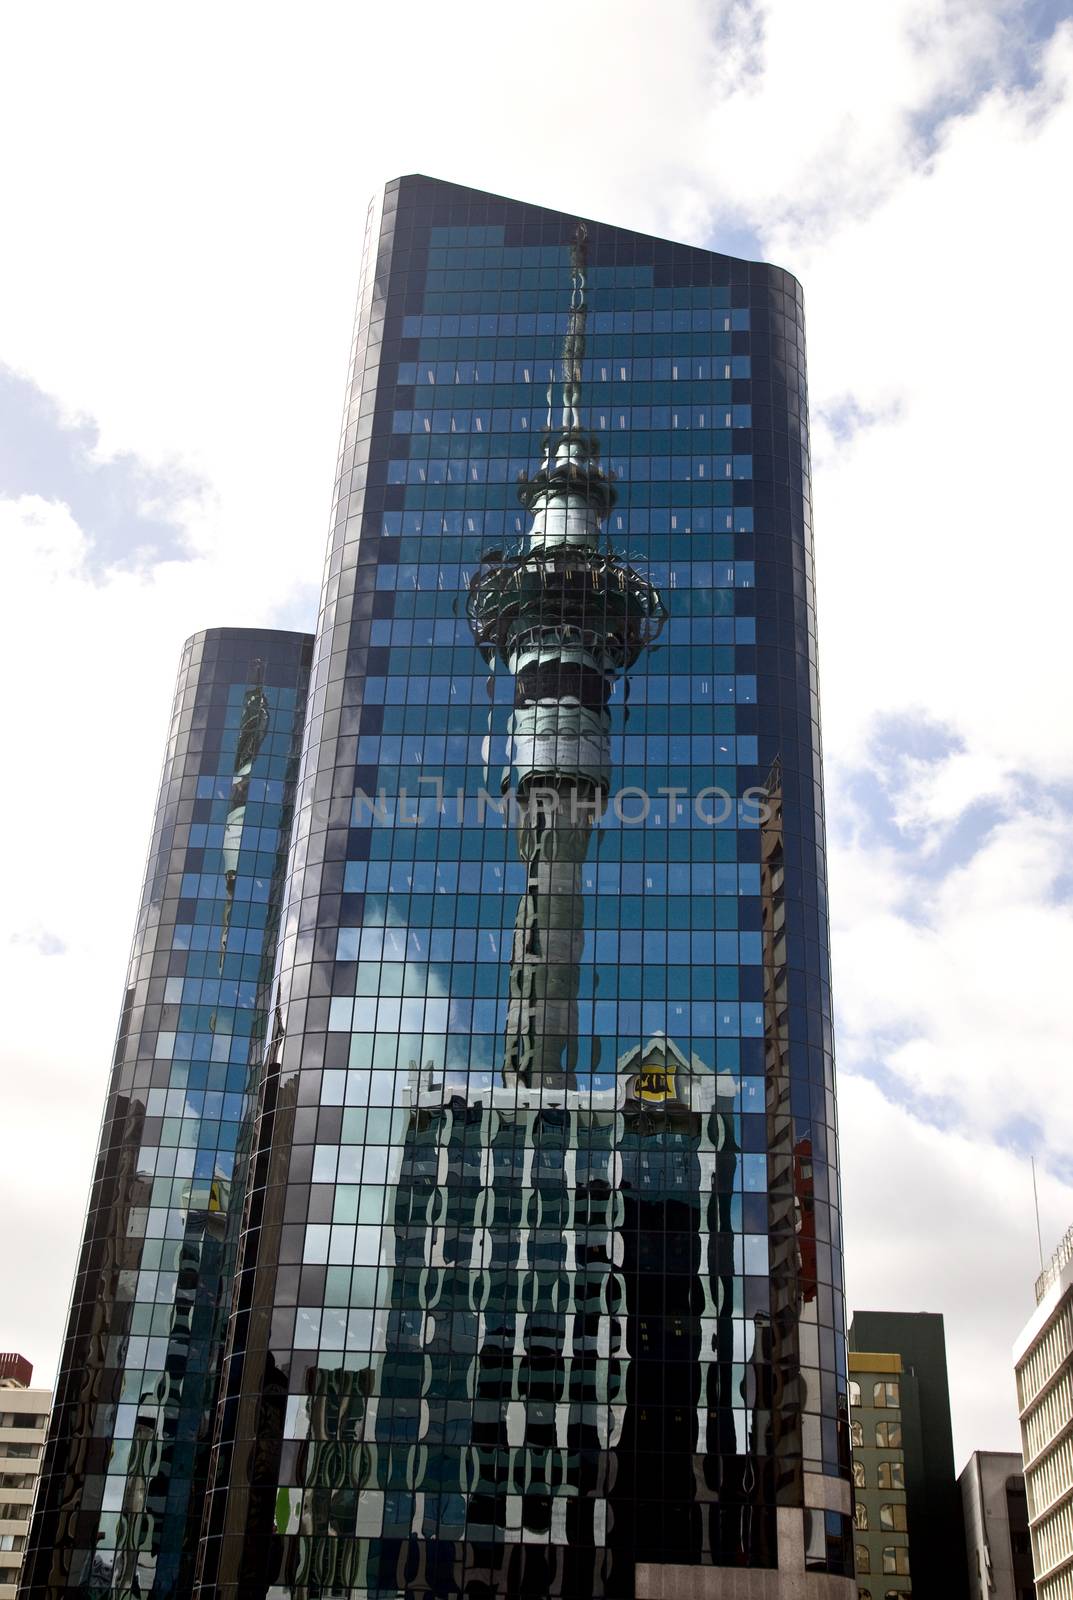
{"x": 884, "y": 1394}
{"x": 859, "y": 1479}
{"x": 889, "y": 1435}
{"x": 862, "y": 1560}
{"x": 860, "y": 1517}
{"x": 893, "y": 1517}
{"x": 896, "y": 1560}
{"x": 891, "y": 1475}
{"x": 854, "y": 1392}
{"x": 856, "y": 1434}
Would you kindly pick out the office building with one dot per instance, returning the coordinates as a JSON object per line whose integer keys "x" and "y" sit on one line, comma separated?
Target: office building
{"x": 1043, "y": 1362}
{"x": 499, "y": 1332}
{"x": 881, "y": 1546}
{"x": 124, "y": 1468}
{"x": 997, "y": 1541}
{"x": 538, "y": 1277}
{"x": 23, "y": 1416}
{"x": 932, "y": 1498}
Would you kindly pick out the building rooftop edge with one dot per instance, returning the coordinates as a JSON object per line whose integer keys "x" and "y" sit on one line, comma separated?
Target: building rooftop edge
{"x": 16, "y": 1370}
{"x": 1060, "y": 1288}
{"x": 869, "y": 1311}
{"x": 874, "y": 1361}
{"x": 1052, "y": 1271}
{"x": 275, "y": 633}
{"x": 449, "y": 183}
{"x": 991, "y": 1455}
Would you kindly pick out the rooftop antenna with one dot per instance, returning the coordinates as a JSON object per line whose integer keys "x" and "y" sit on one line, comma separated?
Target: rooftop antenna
{"x": 1035, "y": 1197}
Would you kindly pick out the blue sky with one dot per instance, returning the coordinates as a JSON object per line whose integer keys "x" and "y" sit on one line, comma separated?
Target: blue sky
{"x": 187, "y": 214}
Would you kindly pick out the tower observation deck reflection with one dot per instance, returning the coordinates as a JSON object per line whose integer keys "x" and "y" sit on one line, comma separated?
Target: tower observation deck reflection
{"x": 565, "y": 615}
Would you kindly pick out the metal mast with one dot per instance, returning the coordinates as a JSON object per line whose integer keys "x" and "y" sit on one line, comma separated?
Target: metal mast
{"x": 565, "y": 616}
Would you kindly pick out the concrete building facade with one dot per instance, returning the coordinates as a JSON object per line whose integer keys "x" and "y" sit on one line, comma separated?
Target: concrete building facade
{"x": 1043, "y": 1362}
{"x": 996, "y": 1526}
{"x": 23, "y": 1421}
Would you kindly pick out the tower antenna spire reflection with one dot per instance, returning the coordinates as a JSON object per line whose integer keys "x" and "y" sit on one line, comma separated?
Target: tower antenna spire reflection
{"x": 566, "y": 618}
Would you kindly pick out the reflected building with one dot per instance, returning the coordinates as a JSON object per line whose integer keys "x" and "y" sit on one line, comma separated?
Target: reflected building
{"x": 546, "y": 1262}
{"x": 532, "y": 1244}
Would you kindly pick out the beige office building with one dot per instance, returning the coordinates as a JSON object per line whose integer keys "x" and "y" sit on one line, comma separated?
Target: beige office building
{"x": 1043, "y": 1360}
{"x": 23, "y": 1420}
{"x": 881, "y": 1536}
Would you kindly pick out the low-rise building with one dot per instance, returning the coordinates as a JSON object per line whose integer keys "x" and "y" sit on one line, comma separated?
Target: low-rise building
{"x": 932, "y": 1500}
{"x": 881, "y": 1536}
{"x": 996, "y": 1526}
{"x": 23, "y": 1420}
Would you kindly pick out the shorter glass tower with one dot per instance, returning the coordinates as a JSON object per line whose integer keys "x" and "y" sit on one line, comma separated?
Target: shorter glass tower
{"x": 124, "y": 1468}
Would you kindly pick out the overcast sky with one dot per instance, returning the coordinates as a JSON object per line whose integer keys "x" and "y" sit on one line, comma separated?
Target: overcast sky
{"x": 183, "y": 192}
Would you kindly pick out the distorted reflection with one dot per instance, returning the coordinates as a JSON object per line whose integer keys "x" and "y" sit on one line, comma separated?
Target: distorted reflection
{"x": 565, "y": 616}
{"x": 252, "y": 732}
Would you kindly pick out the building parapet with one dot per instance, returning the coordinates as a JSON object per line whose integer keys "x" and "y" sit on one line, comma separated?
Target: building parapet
{"x": 1052, "y": 1271}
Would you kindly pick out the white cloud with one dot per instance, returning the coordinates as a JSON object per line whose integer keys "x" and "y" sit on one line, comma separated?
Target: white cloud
{"x": 943, "y": 564}
{"x": 189, "y": 202}
{"x": 953, "y": 981}
{"x": 937, "y": 1221}
{"x": 944, "y": 557}
{"x": 840, "y": 102}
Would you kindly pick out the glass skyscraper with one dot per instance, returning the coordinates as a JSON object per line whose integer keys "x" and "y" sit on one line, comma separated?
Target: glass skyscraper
{"x": 535, "y": 1276}
{"x": 124, "y": 1466}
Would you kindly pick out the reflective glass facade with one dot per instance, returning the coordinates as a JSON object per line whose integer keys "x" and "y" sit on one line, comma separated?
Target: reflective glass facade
{"x": 539, "y": 1287}
{"x": 124, "y": 1469}
{"x": 479, "y": 1060}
